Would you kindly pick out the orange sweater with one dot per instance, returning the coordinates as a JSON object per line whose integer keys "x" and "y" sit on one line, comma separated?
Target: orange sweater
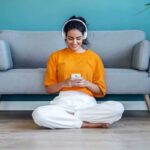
{"x": 62, "y": 63}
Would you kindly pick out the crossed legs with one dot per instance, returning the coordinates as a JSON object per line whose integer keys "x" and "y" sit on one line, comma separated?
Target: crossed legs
{"x": 98, "y": 116}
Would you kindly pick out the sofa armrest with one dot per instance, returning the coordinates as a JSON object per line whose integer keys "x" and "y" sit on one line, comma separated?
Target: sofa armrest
{"x": 5, "y": 56}
{"x": 141, "y": 55}
{"x": 149, "y": 71}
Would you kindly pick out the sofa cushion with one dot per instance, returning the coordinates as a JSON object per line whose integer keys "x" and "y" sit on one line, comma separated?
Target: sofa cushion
{"x": 115, "y": 47}
{"x": 5, "y": 56}
{"x": 22, "y": 81}
{"x": 141, "y": 53}
{"x": 127, "y": 81}
{"x": 31, "y": 49}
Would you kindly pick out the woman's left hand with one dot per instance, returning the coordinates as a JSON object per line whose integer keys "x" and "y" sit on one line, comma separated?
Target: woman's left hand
{"x": 84, "y": 83}
{"x": 80, "y": 83}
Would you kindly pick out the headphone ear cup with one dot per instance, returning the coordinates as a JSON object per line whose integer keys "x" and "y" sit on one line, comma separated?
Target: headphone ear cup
{"x": 63, "y": 35}
{"x": 85, "y": 35}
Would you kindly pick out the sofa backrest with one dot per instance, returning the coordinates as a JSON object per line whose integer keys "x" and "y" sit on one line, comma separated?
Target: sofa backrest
{"x": 30, "y": 49}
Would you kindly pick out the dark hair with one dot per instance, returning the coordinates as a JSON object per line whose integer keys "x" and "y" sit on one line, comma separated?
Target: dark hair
{"x": 76, "y": 25}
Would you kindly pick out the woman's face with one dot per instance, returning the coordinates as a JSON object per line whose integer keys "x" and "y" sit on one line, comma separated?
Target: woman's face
{"x": 74, "y": 39}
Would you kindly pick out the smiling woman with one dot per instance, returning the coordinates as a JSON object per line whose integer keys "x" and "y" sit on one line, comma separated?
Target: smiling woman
{"x": 74, "y": 32}
{"x": 78, "y": 75}
{"x": 74, "y": 40}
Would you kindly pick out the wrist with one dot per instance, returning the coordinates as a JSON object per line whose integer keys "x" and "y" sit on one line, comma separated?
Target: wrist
{"x": 65, "y": 84}
{"x": 88, "y": 84}
{"x": 62, "y": 85}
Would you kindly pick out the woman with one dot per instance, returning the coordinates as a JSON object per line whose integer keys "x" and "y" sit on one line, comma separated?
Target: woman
{"x": 78, "y": 75}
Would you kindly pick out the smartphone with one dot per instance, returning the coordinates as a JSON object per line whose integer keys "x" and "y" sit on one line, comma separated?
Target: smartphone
{"x": 76, "y": 76}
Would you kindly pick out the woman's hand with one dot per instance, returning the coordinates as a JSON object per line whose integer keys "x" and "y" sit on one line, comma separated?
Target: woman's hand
{"x": 76, "y": 83}
{"x": 82, "y": 83}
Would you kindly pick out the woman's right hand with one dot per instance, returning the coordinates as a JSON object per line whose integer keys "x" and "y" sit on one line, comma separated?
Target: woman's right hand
{"x": 67, "y": 83}
{"x": 72, "y": 82}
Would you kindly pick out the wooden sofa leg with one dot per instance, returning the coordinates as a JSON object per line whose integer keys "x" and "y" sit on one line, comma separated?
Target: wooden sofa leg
{"x": 147, "y": 100}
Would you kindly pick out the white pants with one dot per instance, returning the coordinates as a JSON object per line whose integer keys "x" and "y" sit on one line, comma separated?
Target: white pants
{"x": 71, "y": 108}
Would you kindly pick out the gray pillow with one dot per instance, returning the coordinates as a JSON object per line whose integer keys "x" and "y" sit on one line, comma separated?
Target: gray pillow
{"x": 141, "y": 54}
{"x": 5, "y": 56}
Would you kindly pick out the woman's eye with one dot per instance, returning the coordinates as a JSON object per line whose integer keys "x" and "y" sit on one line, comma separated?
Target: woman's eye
{"x": 70, "y": 39}
{"x": 79, "y": 38}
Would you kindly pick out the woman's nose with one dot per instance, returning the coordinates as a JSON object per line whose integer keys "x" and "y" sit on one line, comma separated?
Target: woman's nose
{"x": 74, "y": 41}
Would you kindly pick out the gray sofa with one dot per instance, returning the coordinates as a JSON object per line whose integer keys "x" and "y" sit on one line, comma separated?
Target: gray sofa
{"x": 24, "y": 54}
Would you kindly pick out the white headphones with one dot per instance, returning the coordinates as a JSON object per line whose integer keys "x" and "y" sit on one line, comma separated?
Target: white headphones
{"x": 85, "y": 33}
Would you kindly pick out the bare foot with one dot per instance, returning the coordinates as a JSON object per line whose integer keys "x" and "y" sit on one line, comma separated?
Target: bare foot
{"x": 94, "y": 125}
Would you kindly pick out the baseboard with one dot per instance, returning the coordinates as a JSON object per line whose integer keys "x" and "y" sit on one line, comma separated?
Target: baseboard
{"x": 31, "y": 105}
{"x": 27, "y": 114}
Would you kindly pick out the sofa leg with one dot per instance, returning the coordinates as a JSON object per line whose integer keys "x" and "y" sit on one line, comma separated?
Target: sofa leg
{"x": 147, "y": 100}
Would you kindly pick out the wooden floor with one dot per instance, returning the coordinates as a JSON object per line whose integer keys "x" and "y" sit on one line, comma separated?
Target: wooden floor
{"x": 18, "y": 132}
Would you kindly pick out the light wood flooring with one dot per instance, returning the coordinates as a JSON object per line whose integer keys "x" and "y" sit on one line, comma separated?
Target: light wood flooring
{"x": 18, "y": 132}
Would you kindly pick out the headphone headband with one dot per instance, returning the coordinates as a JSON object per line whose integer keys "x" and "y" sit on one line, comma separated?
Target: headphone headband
{"x": 85, "y": 33}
